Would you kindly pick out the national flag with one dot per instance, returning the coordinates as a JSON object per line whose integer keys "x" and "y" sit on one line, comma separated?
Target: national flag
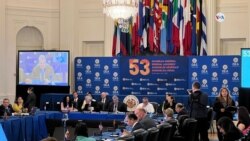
{"x": 170, "y": 46}
{"x": 193, "y": 20}
{"x": 176, "y": 26}
{"x": 116, "y": 40}
{"x": 163, "y": 40}
{"x": 187, "y": 29}
{"x": 203, "y": 45}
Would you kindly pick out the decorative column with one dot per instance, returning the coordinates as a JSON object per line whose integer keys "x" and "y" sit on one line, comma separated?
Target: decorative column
{"x": 3, "y": 63}
{"x": 211, "y": 27}
{"x": 69, "y": 32}
{"x": 108, "y": 36}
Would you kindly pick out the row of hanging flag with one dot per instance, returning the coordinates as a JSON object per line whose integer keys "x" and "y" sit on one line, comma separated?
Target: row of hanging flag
{"x": 163, "y": 27}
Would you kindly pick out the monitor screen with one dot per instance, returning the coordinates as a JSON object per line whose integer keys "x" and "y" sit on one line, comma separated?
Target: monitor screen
{"x": 43, "y": 68}
{"x": 245, "y": 65}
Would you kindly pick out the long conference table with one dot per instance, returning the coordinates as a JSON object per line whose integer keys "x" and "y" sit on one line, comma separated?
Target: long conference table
{"x": 33, "y": 128}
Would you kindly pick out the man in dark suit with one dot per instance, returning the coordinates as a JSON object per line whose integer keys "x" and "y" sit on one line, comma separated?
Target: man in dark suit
{"x": 104, "y": 102}
{"x": 133, "y": 122}
{"x": 31, "y": 99}
{"x": 116, "y": 105}
{"x": 198, "y": 109}
{"x": 6, "y": 108}
{"x": 144, "y": 119}
{"x": 76, "y": 102}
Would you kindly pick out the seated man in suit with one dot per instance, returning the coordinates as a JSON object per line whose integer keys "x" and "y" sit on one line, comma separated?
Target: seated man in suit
{"x": 144, "y": 119}
{"x": 76, "y": 102}
{"x": 88, "y": 104}
{"x": 104, "y": 102}
{"x": 116, "y": 105}
{"x": 6, "y": 108}
{"x": 134, "y": 123}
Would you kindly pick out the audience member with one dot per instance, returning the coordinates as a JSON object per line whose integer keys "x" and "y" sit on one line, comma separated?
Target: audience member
{"x": 180, "y": 110}
{"x": 81, "y": 133}
{"x": 146, "y": 105}
{"x": 169, "y": 114}
{"x": 88, "y": 104}
{"x": 76, "y": 102}
{"x": 104, "y": 102}
{"x": 243, "y": 120}
{"x": 31, "y": 99}
{"x": 66, "y": 105}
{"x": 144, "y": 119}
{"x": 227, "y": 128}
{"x": 198, "y": 110}
{"x": 116, "y": 105}
{"x": 168, "y": 103}
{"x": 222, "y": 102}
{"x": 18, "y": 105}
{"x": 6, "y": 108}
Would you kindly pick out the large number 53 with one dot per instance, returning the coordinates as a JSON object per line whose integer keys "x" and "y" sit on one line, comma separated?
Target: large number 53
{"x": 134, "y": 66}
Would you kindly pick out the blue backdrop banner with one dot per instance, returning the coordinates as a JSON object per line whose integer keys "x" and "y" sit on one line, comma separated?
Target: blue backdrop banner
{"x": 156, "y": 75}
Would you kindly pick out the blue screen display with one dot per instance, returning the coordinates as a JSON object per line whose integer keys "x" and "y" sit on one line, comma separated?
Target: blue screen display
{"x": 43, "y": 68}
{"x": 245, "y": 65}
{"x": 2, "y": 134}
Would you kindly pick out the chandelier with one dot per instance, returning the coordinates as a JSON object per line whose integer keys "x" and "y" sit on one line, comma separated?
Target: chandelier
{"x": 120, "y": 9}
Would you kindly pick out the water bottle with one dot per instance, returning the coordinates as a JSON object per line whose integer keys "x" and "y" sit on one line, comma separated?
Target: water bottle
{"x": 44, "y": 108}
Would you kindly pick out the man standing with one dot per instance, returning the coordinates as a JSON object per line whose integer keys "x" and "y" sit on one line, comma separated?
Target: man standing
{"x": 31, "y": 99}
{"x": 198, "y": 109}
{"x": 6, "y": 108}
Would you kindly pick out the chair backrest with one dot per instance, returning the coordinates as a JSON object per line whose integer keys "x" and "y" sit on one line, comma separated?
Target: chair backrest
{"x": 153, "y": 134}
{"x": 155, "y": 105}
{"x": 140, "y": 134}
{"x": 126, "y": 138}
{"x": 164, "y": 132}
{"x": 189, "y": 129}
{"x": 174, "y": 124}
{"x": 181, "y": 120}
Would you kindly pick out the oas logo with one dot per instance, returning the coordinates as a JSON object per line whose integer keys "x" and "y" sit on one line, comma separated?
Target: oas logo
{"x": 115, "y": 63}
{"x": 194, "y": 63}
{"x": 131, "y": 101}
{"x": 220, "y": 17}
{"x": 88, "y": 69}
{"x": 225, "y": 83}
{"x": 224, "y": 69}
{"x": 235, "y": 91}
{"x": 79, "y": 63}
{"x": 79, "y": 89}
{"x": 235, "y": 76}
{"x": 79, "y": 76}
{"x": 106, "y": 69}
{"x": 88, "y": 83}
{"x": 204, "y": 69}
{"x": 97, "y": 76}
{"x": 194, "y": 76}
{"x": 115, "y": 90}
{"x": 204, "y": 83}
{"x": 97, "y": 89}
{"x": 115, "y": 76}
{"x": 235, "y": 62}
{"x": 214, "y": 76}
{"x": 97, "y": 63}
{"x": 106, "y": 83}
{"x": 215, "y": 91}
{"x": 214, "y": 63}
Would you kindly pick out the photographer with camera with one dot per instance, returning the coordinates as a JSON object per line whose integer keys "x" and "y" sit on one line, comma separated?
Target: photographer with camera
{"x": 198, "y": 110}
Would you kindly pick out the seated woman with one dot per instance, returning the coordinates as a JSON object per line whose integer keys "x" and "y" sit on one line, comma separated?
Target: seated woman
{"x": 169, "y": 102}
{"x": 66, "y": 105}
{"x": 88, "y": 104}
{"x": 81, "y": 133}
{"x": 169, "y": 114}
{"x": 228, "y": 130}
{"x": 243, "y": 120}
{"x": 18, "y": 105}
